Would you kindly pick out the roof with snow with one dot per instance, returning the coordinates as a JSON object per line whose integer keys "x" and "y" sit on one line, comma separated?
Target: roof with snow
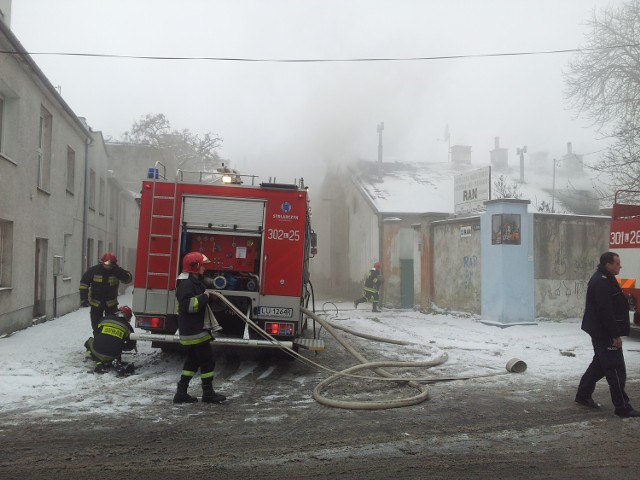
{"x": 429, "y": 187}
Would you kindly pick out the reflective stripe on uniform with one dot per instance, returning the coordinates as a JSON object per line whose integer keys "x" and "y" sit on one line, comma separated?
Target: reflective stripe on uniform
{"x": 113, "y": 331}
{"x": 193, "y": 305}
{"x": 195, "y": 339}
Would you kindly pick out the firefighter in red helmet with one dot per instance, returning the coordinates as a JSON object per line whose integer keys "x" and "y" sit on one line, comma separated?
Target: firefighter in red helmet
{"x": 195, "y": 335}
{"x": 99, "y": 287}
{"x": 371, "y": 291}
{"x": 110, "y": 340}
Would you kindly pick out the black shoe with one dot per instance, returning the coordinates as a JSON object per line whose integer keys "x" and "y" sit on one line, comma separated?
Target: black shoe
{"x": 587, "y": 402}
{"x": 184, "y": 398}
{"x": 124, "y": 369}
{"x": 102, "y": 368}
{"x": 355, "y": 304}
{"x": 628, "y": 413}
{"x": 213, "y": 397}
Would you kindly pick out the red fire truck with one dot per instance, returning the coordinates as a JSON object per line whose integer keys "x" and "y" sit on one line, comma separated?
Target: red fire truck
{"x": 259, "y": 241}
{"x": 624, "y": 238}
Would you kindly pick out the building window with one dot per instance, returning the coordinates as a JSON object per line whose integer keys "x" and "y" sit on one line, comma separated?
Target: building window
{"x": 101, "y": 197}
{"x": 44, "y": 149}
{"x": 113, "y": 202}
{"x": 6, "y": 253}
{"x": 92, "y": 189}
{"x": 8, "y": 123}
{"x": 100, "y": 248}
{"x": 66, "y": 260}
{"x": 71, "y": 169}
{"x": 1, "y": 122}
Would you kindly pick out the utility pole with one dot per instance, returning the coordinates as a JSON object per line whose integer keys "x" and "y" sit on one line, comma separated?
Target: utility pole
{"x": 380, "y": 130}
{"x": 521, "y": 152}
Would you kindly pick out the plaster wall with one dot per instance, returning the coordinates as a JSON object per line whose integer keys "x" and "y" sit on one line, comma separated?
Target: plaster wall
{"x": 566, "y": 250}
{"x": 456, "y": 264}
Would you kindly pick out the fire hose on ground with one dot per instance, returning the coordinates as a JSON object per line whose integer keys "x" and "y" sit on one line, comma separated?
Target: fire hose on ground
{"x": 377, "y": 367}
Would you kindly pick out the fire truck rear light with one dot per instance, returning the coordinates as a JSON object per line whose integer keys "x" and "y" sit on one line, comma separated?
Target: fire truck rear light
{"x": 273, "y": 328}
{"x": 149, "y": 322}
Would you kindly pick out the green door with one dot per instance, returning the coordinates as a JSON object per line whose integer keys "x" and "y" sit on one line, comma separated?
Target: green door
{"x": 406, "y": 283}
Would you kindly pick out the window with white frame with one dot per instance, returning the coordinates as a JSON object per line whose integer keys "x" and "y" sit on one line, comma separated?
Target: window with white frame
{"x": 71, "y": 169}
{"x": 113, "y": 202}
{"x": 101, "y": 197}
{"x": 1, "y": 122}
{"x": 8, "y": 123}
{"x": 44, "y": 149}
{"x": 92, "y": 189}
{"x": 6, "y": 252}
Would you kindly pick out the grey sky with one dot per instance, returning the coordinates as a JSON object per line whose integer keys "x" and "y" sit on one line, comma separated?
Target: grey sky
{"x": 283, "y": 119}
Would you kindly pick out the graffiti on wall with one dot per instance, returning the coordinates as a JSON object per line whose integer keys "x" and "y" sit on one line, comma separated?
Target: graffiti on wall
{"x": 470, "y": 263}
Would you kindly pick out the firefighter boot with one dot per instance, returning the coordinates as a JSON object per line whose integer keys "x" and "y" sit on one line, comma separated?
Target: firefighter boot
{"x": 182, "y": 396}
{"x": 375, "y": 308}
{"x": 208, "y": 395}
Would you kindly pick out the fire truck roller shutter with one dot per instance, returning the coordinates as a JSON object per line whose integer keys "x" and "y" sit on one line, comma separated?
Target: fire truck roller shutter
{"x": 224, "y": 213}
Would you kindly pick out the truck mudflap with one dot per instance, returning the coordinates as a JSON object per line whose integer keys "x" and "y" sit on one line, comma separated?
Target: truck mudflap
{"x": 306, "y": 343}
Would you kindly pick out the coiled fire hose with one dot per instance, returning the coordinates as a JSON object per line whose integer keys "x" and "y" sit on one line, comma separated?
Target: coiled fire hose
{"x": 364, "y": 364}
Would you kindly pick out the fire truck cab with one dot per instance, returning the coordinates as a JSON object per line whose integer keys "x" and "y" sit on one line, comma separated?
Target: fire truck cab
{"x": 624, "y": 239}
{"x": 259, "y": 242}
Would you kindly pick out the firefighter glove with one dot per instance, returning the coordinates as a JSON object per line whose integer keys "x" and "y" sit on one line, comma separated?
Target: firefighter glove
{"x": 84, "y": 303}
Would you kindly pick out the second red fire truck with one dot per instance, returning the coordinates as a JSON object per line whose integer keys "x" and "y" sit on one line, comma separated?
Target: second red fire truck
{"x": 624, "y": 239}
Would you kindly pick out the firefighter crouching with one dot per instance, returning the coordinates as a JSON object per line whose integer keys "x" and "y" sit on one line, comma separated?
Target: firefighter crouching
{"x": 102, "y": 281}
{"x": 371, "y": 290}
{"x": 195, "y": 335}
{"x": 111, "y": 338}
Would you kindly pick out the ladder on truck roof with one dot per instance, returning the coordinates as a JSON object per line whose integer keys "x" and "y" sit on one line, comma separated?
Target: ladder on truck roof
{"x": 160, "y": 215}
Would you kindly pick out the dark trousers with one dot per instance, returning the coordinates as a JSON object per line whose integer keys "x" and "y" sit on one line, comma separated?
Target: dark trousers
{"x": 373, "y": 297}
{"x": 96, "y": 314}
{"x": 608, "y": 362}
{"x": 201, "y": 356}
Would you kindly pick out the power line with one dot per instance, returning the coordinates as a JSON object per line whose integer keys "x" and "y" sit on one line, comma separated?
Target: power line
{"x": 324, "y": 60}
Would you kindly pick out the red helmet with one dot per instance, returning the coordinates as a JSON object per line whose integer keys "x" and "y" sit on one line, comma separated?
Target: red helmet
{"x": 192, "y": 262}
{"x": 376, "y": 265}
{"x": 109, "y": 259}
{"x": 126, "y": 312}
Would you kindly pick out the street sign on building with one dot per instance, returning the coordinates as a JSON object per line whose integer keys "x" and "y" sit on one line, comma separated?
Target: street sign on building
{"x": 471, "y": 189}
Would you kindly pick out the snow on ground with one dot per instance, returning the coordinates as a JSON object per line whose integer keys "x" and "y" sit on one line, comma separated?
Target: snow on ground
{"x": 43, "y": 371}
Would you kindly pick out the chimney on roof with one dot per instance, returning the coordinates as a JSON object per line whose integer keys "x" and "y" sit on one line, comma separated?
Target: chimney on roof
{"x": 461, "y": 154}
{"x": 499, "y": 156}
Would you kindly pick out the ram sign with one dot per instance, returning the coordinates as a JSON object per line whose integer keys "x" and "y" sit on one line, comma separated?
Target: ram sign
{"x": 471, "y": 189}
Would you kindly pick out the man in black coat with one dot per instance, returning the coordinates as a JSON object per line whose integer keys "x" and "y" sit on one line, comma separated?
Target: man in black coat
{"x": 606, "y": 320}
{"x": 102, "y": 281}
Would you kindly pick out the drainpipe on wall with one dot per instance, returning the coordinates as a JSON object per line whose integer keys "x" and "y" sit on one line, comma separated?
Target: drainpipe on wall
{"x": 85, "y": 210}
